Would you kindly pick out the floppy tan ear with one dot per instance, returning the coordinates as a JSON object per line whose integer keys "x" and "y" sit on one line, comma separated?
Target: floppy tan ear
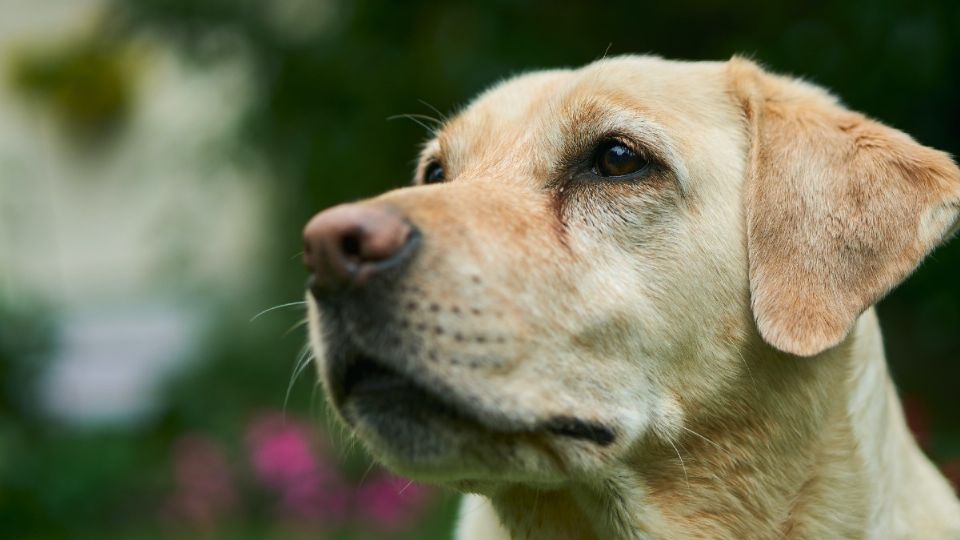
{"x": 839, "y": 209}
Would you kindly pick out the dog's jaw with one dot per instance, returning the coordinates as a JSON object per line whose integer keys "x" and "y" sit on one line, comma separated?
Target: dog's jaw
{"x": 770, "y": 473}
{"x": 424, "y": 425}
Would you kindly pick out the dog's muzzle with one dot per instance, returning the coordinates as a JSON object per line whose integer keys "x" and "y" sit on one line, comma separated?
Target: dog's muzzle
{"x": 376, "y": 367}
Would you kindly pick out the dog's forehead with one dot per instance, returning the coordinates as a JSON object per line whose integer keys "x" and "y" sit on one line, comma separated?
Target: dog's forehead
{"x": 499, "y": 121}
{"x": 515, "y": 99}
{"x": 532, "y": 110}
{"x": 525, "y": 95}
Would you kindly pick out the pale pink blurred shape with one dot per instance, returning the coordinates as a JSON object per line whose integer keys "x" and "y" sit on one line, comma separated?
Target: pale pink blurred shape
{"x": 205, "y": 491}
{"x": 287, "y": 459}
{"x": 391, "y": 504}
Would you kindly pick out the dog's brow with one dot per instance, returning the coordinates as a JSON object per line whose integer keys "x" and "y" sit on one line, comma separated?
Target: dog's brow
{"x": 588, "y": 123}
{"x": 596, "y": 121}
{"x": 657, "y": 141}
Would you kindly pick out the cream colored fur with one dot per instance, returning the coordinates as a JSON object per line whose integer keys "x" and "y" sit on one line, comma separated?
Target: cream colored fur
{"x": 714, "y": 314}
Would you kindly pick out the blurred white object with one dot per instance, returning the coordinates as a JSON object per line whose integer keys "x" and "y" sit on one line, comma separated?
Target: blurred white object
{"x": 132, "y": 244}
{"x": 109, "y": 364}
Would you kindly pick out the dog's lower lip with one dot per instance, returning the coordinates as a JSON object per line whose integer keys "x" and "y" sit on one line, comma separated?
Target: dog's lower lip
{"x": 365, "y": 375}
{"x": 576, "y": 428}
{"x": 368, "y": 378}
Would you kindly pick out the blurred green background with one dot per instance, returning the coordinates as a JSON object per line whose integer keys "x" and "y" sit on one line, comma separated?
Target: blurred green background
{"x": 159, "y": 157}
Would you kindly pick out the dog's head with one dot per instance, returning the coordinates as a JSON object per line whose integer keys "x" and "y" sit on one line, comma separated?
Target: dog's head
{"x": 589, "y": 257}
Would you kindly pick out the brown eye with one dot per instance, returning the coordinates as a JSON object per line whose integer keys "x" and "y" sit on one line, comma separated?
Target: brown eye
{"x": 613, "y": 158}
{"x": 434, "y": 173}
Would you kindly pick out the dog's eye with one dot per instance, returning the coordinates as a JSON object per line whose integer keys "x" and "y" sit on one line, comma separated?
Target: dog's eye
{"x": 434, "y": 173}
{"x": 613, "y": 159}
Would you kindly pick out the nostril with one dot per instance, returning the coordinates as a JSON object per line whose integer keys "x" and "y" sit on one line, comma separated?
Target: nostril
{"x": 351, "y": 244}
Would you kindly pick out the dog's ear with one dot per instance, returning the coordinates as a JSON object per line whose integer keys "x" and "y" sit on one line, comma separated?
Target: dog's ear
{"x": 839, "y": 208}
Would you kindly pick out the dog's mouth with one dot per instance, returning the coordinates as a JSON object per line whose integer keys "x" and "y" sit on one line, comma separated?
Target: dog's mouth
{"x": 369, "y": 390}
{"x": 367, "y": 378}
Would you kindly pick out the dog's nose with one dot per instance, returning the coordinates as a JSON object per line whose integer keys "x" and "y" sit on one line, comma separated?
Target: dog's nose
{"x": 349, "y": 244}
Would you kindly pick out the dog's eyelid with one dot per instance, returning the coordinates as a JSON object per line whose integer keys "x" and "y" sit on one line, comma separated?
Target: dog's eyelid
{"x": 659, "y": 151}
{"x": 639, "y": 147}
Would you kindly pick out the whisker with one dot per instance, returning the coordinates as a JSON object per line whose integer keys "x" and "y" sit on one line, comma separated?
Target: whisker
{"x": 345, "y": 435}
{"x": 419, "y": 120}
{"x": 366, "y": 472}
{"x": 749, "y": 371}
{"x": 702, "y": 437}
{"x": 404, "y": 488}
{"x": 297, "y": 254}
{"x": 425, "y": 117}
{"x": 442, "y": 116}
{"x": 352, "y": 442}
{"x": 303, "y": 360}
{"x": 686, "y": 479}
{"x": 294, "y": 327}
{"x": 605, "y": 51}
{"x": 269, "y": 309}
{"x": 314, "y": 407}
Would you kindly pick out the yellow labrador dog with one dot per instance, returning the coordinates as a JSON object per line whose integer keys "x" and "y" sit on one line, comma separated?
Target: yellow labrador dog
{"x": 633, "y": 300}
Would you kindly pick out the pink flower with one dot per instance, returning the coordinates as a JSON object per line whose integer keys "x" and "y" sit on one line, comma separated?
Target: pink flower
{"x": 391, "y": 504}
{"x": 287, "y": 459}
{"x": 308, "y": 486}
{"x": 204, "y": 491}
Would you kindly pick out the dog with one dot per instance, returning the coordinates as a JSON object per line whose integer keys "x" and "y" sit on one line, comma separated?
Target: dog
{"x": 634, "y": 300}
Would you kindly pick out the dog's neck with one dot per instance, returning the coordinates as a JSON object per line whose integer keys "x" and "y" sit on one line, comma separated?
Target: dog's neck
{"x": 755, "y": 469}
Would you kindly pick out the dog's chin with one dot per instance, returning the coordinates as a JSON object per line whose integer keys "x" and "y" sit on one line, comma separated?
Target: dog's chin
{"x": 424, "y": 429}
